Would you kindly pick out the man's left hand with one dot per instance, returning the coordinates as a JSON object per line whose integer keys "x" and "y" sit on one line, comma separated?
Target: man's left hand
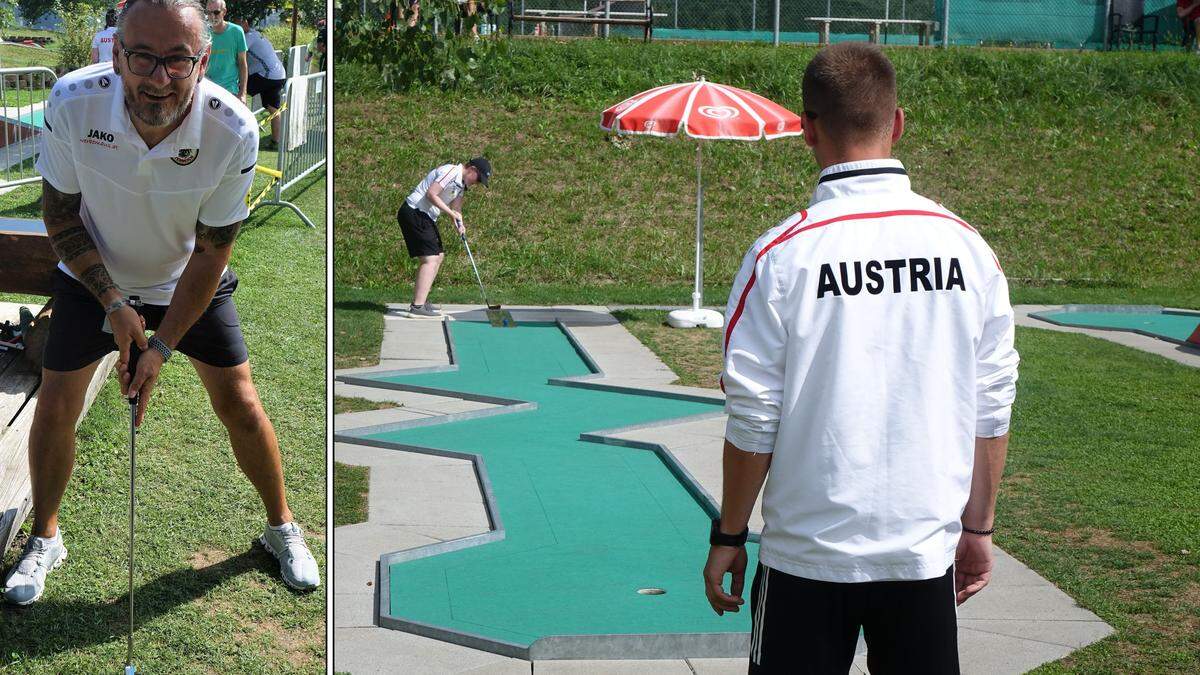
{"x": 972, "y": 565}
{"x": 143, "y": 381}
{"x": 722, "y": 560}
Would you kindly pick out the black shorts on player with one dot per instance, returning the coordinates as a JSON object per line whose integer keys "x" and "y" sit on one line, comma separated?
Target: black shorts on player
{"x": 77, "y": 336}
{"x": 806, "y": 626}
{"x": 421, "y": 234}
{"x": 257, "y": 85}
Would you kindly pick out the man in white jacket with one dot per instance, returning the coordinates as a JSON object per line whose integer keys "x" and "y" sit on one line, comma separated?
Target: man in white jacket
{"x": 870, "y": 368}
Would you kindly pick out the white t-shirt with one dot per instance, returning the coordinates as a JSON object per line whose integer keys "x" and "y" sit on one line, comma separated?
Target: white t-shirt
{"x": 450, "y": 177}
{"x": 104, "y": 41}
{"x": 261, "y": 57}
{"x": 869, "y": 341}
{"x": 141, "y": 205}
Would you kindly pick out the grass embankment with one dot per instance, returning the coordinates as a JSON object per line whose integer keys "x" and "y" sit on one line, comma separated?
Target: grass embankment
{"x": 1101, "y": 493}
{"x": 1076, "y": 167}
{"x": 207, "y": 600}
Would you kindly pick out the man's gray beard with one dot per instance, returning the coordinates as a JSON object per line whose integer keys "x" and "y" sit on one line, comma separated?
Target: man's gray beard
{"x": 155, "y": 114}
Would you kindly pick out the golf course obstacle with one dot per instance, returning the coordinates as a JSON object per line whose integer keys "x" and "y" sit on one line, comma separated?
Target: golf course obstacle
{"x": 19, "y": 380}
{"x": 581, "y": 523}
{"x": 1179, "y": 326}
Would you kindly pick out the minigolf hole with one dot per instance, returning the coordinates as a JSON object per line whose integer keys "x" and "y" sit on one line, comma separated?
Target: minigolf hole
{"x": 651, "y": 591}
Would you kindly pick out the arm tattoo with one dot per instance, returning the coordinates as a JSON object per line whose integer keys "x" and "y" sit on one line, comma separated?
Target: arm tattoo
{"x": 72, "y": 243}
{"x": 58, "y": 207}
{"x": 97, "y": 280}
{"x": 217, "y": 237}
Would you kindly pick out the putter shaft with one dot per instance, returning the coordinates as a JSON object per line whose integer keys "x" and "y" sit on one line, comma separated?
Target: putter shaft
{"x": 134, "y": 400}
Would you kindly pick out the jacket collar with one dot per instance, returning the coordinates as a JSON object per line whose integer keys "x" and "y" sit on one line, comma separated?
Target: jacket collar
{"x": 869, "y": 176}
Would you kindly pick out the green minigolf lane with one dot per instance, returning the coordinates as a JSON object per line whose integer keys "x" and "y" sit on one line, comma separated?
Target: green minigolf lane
{"x": 1177, "y": 327}
{"x": 586, "y": 525}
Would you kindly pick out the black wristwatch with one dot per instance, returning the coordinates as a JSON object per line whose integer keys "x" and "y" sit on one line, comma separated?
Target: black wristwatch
{"x": 718, "y": 538}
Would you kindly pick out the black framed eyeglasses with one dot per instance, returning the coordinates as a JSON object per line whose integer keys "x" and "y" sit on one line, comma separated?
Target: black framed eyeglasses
{"x": 214, "y": 12}
{"x": 143, "y": 64}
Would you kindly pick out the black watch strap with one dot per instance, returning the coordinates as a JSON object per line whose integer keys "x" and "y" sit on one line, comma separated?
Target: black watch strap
{"x": 718, "y": 538}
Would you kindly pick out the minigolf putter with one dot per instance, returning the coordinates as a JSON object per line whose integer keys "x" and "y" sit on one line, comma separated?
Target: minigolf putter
{"x": 134, "y": 400}
{"x": 497, "y": 317}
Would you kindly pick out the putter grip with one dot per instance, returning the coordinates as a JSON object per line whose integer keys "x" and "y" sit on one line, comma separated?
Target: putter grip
{"x": 134, "y": 354}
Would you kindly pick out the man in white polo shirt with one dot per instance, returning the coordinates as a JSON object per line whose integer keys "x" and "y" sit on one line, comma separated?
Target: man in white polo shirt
{"x": 145, "y": 168}
{"x": 441, "y": 190}
{"x": 870, "y": 368}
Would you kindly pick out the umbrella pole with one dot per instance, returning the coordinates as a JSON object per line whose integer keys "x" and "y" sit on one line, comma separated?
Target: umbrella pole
{"x": 696, "y": 293}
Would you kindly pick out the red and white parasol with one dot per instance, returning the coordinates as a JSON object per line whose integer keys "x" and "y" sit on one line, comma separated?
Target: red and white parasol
{"x": 705, "y": 111}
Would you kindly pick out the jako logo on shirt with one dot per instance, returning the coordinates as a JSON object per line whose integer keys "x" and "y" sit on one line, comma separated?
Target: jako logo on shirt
{"x": 102, "y": 138}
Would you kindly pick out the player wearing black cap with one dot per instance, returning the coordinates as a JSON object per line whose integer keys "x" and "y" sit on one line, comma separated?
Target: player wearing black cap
{"x": 442, "y": 190}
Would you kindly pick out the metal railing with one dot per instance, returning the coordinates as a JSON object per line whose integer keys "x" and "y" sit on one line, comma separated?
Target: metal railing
{"x": 23, "y": 94}
{"x": 301, "y": 139}
{"x": 1068, "y": 24}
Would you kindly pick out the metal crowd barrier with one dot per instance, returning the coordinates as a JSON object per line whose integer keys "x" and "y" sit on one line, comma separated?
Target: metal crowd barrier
{"x": 301, "y": 138}
{"x": 23, "y": 94}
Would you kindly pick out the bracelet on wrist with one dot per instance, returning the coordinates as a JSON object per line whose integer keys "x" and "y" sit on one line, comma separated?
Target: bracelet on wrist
{"x": 115, "y": 305}
{"x": 161, "y": 347}
{"x": 982, "y": 533}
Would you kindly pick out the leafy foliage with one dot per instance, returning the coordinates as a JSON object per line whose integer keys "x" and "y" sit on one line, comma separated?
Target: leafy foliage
{"x": 257, "y": 10}
{"x": 75, "y": 42}
{"x": 441, "y": 49}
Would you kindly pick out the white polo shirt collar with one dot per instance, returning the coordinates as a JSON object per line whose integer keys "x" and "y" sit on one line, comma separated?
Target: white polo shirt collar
{"x": 868, "y": 176}
{"x": 186, "y": 135}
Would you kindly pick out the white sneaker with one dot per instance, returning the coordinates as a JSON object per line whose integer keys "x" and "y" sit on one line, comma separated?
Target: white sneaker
{"x": 27, "y": 580}
{"x": 296, "y": 563}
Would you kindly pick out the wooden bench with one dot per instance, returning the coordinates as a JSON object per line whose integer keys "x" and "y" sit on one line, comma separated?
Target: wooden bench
{"x": 26, "y": 260}
{"x": 600, "y": 15}
{"x": 19, "y": 380}
{"x": 925, "y": 29}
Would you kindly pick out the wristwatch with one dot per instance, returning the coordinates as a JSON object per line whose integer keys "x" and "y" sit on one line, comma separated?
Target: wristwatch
{"x": 161, "y": 347}
{"x": 718, "y": 538}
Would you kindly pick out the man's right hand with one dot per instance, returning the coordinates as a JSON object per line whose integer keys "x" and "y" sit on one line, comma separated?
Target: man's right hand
{"x": 127, "y": 327}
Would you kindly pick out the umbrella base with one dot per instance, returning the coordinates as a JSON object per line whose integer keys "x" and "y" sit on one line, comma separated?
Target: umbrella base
{"x": 695, "y": 318}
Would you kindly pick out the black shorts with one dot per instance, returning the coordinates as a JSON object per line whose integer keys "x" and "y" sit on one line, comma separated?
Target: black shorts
{"x": 806, "y": 626}
{"x": 421, "y": 234}
{"x": 77, "y": 337}
{"x": 257, "y": 85}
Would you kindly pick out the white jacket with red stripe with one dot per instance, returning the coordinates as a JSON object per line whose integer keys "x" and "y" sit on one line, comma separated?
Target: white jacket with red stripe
{"x": 869, "y": 340}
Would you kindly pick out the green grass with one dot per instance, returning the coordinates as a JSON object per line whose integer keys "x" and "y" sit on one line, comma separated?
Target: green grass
{"x": 15, "y": 56}
{"x": 1101, "y": 493}
{"x": 208, "y": 601}
{"x": 1075, "y": 166}
{"x": 351, "y": 485}
{"x": 281, "y": 36}
{"x": 357, "y": 328}
{"x": 349, "y": 404}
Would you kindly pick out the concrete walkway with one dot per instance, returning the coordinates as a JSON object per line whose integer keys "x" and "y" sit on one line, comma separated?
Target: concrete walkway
{"x": 1018, "y": 623}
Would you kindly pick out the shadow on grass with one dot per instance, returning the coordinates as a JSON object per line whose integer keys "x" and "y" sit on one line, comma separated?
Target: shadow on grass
{"x": 50, "y": 627}
{"x": 361, "y": 306}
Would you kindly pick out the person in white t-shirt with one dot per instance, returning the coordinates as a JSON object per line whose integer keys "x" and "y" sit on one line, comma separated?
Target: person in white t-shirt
{"x": 869, "y": 379}
{"x": 442, "y": 190}
{"x": 145, "y": 168}
{"x": 102, "y": 41}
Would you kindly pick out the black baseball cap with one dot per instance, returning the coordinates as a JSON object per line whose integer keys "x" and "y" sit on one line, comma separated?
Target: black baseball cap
{"x": 484, "y": 168}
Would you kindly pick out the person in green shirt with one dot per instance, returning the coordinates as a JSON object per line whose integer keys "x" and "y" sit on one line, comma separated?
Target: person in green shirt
{"x": 227, "y": 64}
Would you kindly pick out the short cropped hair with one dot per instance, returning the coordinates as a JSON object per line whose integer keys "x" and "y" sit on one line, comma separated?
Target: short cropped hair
{"x": 851, "y": 88}
{"x": 179, "y": 5}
